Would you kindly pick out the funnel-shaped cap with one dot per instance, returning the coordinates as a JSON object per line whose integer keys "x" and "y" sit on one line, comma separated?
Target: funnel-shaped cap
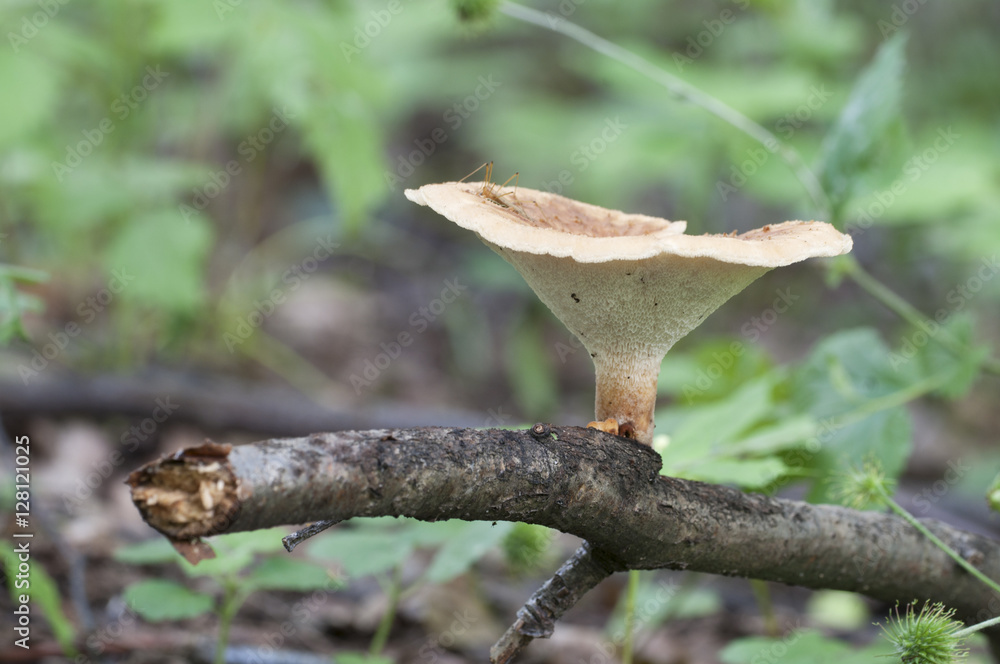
{"x": 629, "y": 286}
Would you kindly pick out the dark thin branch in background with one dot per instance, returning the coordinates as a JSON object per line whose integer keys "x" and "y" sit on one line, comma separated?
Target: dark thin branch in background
{"x": 211, "y": 402}
{"x": 602, "y": 488}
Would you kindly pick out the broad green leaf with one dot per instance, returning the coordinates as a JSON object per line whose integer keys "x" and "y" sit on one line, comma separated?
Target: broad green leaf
{"x": 161, "y": 257}
{"x": 838, "y": 609}
{"x": 284, "y": 573}
{"x": 235, "y": 552}
{"x": 699, "y": 431}
{"x": 787, "y": 432}
{"x": 712, "y": 371}
{"x": 157, "y": 600}
{"x": 800, "y": 647}
{"x": 459, "y": 553}
{"x": 150, "y": 552}
{"x": 872, "y": 111}
{"x": 253, "y": 541}
{"x": 921, "y": 354}
{"x": 745, "y": 473}
{"x": 849, "y": 386}
{"x": 32, "y": 88}
{"x": 225, "y": 563}
{"x": 189, "y": 26}
{"x": 361, "y": 552}
{"x": 944, "y": 175}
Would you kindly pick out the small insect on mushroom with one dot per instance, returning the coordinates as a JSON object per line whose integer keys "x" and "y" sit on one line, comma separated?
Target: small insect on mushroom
{"x": 490, "y": 189}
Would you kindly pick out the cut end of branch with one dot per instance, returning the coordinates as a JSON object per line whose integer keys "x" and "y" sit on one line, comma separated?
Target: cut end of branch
{"x": 189, "y": 495}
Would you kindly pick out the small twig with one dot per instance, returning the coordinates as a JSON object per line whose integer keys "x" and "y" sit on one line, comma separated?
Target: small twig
{"x": 537, "y": 618}
{"x": 293, "y": 540}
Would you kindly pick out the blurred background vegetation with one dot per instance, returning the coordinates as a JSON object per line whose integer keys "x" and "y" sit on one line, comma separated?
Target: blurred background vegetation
{"x": 215, "y": 189}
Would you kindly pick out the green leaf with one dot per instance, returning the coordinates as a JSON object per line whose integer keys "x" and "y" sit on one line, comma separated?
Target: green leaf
{"x": 788, "y": 432}
{"x": 850, "y": 387}
{"x": 361, "y": 552}
{"x": 32, "y": 90}
{"x": 162, "y": 257}
{"x": 745, "y": 473}
{"x": 713, "y": 371}
{"x": 459, "y": 553}
{"x": 156, "y": 550}
{"x": 157, "y": 600}
{"x": 838, "y": 609}
{"x": 43, "y": 593}
{"x": 253, "y": 541}
{"x": 853, "y": 145}
{"x": 698, "y": 432}
{"x": 283, "y": 573}
{"x": 922, "y": 355}
{"x": 225, "y": 563}
{"x": 235, "y": 552}
{"x": 800, "y": 647}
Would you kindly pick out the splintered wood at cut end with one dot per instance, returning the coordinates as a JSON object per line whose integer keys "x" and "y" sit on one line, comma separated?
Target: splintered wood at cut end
{"x": 188, "y": 495}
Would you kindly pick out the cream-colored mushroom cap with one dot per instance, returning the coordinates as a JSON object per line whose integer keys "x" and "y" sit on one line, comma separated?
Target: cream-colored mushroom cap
{"x": 628, "y": 285}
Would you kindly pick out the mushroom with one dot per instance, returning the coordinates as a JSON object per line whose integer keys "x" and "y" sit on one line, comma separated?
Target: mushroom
{"x": 627, "y": 285}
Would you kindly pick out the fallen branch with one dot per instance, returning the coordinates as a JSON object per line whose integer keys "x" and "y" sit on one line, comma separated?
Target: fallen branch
{"x": 215, "y": 402}
{"x": 602, "y": 488}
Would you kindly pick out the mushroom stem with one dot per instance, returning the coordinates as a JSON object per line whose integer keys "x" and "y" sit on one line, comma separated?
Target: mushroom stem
{"x": 626, "y": 390}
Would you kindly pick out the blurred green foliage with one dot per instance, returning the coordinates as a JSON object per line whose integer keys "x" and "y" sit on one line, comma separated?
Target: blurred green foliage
{"x": 195, "y": 151}
{"x": 114, "y": 151}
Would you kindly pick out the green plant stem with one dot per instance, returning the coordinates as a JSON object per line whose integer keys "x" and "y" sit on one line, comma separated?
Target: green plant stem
{"x": 681, "y": 89}
{"x": 898, "y": 509}
{"x": 972, "y": 629}
{"x": 908, "y": 312}
{"x": 891, "y": 400}
{"x": 762, "y": 593}
{"x": 382, "y": 633}
{"x": 630, "y": 594}
{"x": 231, "y": 602}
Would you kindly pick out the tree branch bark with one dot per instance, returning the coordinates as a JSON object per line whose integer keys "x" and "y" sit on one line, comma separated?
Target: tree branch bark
{"x": 602, "y": 488}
